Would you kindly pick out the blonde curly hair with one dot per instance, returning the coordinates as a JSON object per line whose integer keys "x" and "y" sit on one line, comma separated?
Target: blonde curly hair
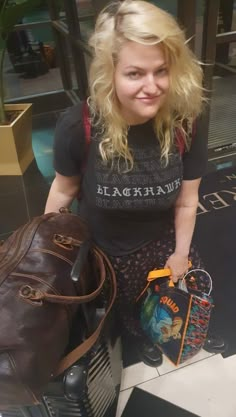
{"x": 142, "y": 22}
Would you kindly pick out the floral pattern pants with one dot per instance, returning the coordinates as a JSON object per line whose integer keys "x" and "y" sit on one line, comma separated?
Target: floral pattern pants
{"x": 131, "y": 273}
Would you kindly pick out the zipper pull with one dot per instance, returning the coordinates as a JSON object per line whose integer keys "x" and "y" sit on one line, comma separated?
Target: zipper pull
{"x": 29, "y": 293}
{"x": 66, "y": 242}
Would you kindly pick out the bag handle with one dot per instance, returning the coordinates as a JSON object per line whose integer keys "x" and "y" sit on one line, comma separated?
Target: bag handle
{"x": 199, "y": 270}
{"x": 161, "y": 273}
{"x": 31, "y": 294}
{"x": 85, "y": 346}
{"x": 158, "y": 273}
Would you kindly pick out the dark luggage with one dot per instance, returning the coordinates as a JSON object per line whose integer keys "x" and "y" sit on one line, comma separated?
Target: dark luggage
{"x": 90, "y": 388}
{"x": 46, "y": 271}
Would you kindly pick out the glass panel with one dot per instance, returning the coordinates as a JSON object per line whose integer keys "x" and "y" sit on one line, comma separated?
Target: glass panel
{"x": 232, "y": 47}
{"x": 222, "y": 116}
{"x": 86, "y": 14}
{"x": 226, "y": 12}
{"x": 70, "y": 61}
{"x": 84, "y": 6}
{"x": 199, "y": 27}
{"x": 168, "y": 5}
{"x": 225, "y": 53}
{"x": 86, "y": 27}
{"x": 234, "y": 16}
{"x": 31, "y": 66}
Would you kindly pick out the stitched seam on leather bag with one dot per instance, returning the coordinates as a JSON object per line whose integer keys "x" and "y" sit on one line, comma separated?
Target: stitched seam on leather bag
{"x": 17, "y": 242}
{"x": 26, "y": 237}
{"x": 50, "y": 252}
{"x": 4, "y": 249}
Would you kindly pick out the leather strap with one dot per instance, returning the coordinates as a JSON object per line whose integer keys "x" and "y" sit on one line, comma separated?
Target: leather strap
{"x": 85, "y": 346}
{"x": 61, "y": 299}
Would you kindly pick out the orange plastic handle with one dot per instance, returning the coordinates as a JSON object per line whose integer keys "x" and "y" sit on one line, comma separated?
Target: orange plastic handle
{"x": 161, "y": 273}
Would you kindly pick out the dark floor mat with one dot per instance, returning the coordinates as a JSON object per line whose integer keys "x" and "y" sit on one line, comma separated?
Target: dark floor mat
{"x": 215, "y": 236}
{"x": 142, "y": 404}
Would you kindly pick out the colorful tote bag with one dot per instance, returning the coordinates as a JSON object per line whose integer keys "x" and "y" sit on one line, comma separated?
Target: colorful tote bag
{"x": 176, "y": 317}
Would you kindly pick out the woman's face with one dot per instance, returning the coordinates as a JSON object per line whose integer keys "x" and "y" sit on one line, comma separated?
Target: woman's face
{"x": 141, "y": 81}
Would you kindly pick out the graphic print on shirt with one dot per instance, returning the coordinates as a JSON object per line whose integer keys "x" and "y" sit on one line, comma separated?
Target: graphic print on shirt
{"x": 149, "y": 185}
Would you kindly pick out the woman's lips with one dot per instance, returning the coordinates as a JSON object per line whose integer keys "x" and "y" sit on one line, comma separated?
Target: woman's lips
{"x": 148, "y": 99}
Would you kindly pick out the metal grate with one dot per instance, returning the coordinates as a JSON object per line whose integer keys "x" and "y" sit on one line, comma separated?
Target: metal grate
{"x": 101, "y": 390}
{"x": 59, "y": 406}
{"x": 222, "y": 128}
{"x": 103, "y": 379}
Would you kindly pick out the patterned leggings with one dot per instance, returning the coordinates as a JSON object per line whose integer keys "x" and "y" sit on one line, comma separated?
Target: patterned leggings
{"x": 131, "y": 273}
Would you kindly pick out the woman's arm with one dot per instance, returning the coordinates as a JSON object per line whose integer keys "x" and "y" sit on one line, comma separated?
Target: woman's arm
{"x": 185, "y": 218}
{"x": 62, "y": 192}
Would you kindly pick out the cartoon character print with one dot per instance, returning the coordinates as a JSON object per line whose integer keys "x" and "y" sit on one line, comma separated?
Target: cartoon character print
{"x": 163, "y": 328}
{"x": 158, "y": 322}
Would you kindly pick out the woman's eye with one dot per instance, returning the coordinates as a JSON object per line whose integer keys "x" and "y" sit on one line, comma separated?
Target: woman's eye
{"x": 162, "y": 71}
{"x": 134, "y": 75}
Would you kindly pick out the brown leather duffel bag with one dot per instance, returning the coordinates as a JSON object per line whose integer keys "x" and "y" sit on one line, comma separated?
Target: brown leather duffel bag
{"x": 46, "y": 272}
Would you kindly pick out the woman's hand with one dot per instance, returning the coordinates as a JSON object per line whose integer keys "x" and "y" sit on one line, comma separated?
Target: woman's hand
{"x": 178, "y": 265}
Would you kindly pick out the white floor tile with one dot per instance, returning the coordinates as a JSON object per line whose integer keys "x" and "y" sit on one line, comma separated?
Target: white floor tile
{"x": 206, "y": 388}
{"x": 136, "y": 374}
{"x": 167, "y": 366}
{"x": 123, "y": 398}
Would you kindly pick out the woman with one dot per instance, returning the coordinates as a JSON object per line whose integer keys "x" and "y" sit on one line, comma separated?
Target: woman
{"x": 139, "y": 189}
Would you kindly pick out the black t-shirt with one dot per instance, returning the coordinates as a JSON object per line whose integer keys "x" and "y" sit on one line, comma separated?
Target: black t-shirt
{"x": 126, "y": 210}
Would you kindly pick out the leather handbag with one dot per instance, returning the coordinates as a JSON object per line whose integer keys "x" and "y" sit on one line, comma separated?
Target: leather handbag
{"x": 48, "y": 270}
{"x": 176, "y": 317}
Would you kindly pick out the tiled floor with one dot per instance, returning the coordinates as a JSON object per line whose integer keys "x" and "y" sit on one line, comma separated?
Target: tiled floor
{"x": 204, "y": 386}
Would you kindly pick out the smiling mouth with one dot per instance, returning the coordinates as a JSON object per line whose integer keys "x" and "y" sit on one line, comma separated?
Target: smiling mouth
{"x": 149, "y": 98}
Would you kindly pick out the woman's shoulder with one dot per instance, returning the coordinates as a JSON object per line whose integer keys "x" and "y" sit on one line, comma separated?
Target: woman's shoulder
{"x": 71, "y": 117}
{"x": 70, "y": 141}
{"x": 70, "y": 126}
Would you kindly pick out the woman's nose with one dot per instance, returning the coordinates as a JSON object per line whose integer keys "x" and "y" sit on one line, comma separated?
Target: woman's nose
{"x": 150, "y": 86}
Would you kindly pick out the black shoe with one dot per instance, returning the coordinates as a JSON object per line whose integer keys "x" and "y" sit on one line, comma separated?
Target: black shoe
{"x": 149, "y": 354}
{"x": 215, "y": 344}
